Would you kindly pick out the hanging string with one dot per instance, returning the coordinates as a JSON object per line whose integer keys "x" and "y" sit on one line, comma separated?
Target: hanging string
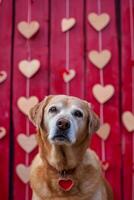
{"x": 27, "y": 95}
{"x": 67, "y": 48}
{"x": 102, "y": 83}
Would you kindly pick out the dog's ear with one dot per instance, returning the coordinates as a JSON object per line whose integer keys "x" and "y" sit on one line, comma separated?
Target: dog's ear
{"x": 94, "y": 121}
{"x": 36, "y": 113}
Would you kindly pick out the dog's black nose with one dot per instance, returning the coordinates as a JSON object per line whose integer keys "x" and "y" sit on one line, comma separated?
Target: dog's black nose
{"x": 63, "y": 124}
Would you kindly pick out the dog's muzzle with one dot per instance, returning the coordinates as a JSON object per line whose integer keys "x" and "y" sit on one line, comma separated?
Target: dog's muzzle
{"x": 61, "y": 134}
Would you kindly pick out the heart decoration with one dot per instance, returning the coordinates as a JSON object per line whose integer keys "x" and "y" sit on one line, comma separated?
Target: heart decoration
{"x": 103, "y": 93}
{"x": 67, "y": 24}
{"x": 104, "y": 131}
{"x": 23, "y": 172}
{"x": 28, "y": 29}
{"x": 100, "y": 59}
{"x": 27, "y": 143}
{"x": 25, "y": 104}
{"x": 128, "y": 120}
{"x": 3, "y": 76}
{"x": 2, "y": 132}
{"x": 68, "y": 75}
{"x": 105, "y": 165}
{"x": 29, "y": 68}
{"x": 66, "y": 184}
{"x": 98, "y": 22}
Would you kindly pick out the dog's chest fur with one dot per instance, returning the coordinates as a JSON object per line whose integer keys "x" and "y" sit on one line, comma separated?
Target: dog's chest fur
{"x": 86, "y": 177}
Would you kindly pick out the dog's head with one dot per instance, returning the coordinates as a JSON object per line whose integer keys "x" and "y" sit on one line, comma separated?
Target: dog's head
{"x": 65, "y": 119}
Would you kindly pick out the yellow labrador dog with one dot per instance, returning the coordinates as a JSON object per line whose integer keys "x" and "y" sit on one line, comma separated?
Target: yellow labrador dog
{"x": 65, "y": 168}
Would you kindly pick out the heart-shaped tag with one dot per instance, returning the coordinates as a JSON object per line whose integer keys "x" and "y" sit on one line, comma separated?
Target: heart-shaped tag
{"x": 100, "y": 59}
{"x": 105, "y": 165}
{"x": 28, "y": 29}
{"x": 3, "y": 76}
{"x": 66, "y": 184}
{"x": 29, "y": 68}
{"x": 67, "y": 24}
{"x": 103, "y": 93}
{"x": 23, "y": 172}
{"x": 25, "y": 104}
{"x": 128, "y": 120}
{"x": 104, "y": 131}
{"x": 27, "y": 143}
{"x": 99, "y": 22}
{"x": 2, "y": 132}
{"x": 69, "y": 75}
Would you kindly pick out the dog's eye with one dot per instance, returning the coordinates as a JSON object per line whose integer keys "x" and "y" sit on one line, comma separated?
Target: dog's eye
{"x": 53, "y": 109}
{"x": 78, "y": 113}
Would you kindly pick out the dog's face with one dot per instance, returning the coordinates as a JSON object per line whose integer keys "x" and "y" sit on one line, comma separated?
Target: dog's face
{"x": 64, "y": 118}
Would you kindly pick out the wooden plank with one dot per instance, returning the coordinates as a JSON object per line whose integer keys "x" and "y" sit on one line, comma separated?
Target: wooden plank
{"x": 5, "y": 64}
{"x": 67, "y": 48}
{"x": 127, "y": 22}
{"x": 109, "y": 150}
{"x": 35, "y": 48}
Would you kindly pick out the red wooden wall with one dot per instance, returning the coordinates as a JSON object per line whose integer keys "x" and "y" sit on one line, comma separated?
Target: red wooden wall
{"x": 59, "y": 52}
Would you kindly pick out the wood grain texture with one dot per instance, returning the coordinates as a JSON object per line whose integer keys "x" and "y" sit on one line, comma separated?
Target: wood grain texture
{"x": 5, "y": 63}
{"x": 61, "y": 43}
{"x": 107, "y": 39}
{"x": 37, "y": 48}
{"x": 127, "y": 66}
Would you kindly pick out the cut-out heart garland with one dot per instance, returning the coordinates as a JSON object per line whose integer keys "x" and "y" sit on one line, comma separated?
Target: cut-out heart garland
{"x": 67, "y": 24}
{"x": 29, "y": 68}
{"x": 2, "y": 132}
{"x": 103, "y": 93}
{"x": 66, "y": 184}
{"x": 28, "y": 29}
{"x": 99, "y": 22}
{"x": 104, "y": 131}
{"x": 128, "y": 120}
{"x": 25, "y": 104}
{"x": 3, "y": 76}
{"x": 27, "y": 143}
{"x": 68, "y": 75}
{"x": 100, "y": 59}
{"x": 23, "y": 172}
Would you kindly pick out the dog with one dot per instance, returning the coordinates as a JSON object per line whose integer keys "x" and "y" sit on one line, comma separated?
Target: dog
{"x": 65, "y": 167}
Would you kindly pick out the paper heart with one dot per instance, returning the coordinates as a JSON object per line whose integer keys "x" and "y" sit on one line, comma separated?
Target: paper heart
{"x": 27, "y": 143}
{"x": 28, "y": 29}
{"x": 128, "y": 120}
{"x": 3, "y": 76}
{"x": 99, "y": 22}
{"x": 66, "y": 184}
{"x": 67, "y": 24}
{"x": 25, "y": 104}
{"x": 104, "y": 131}
{"x": 69, "y": 75}
{"x": 23, "y": 172}
{"x": 29, "y": 68}
{"x": 103, "y": 93}
{"x": 105, "y": 165}
{"x": 100, "y": 59}
{"x": 2, "y": 132}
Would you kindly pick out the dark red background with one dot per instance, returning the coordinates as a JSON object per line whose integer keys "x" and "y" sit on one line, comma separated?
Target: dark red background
{"x": 49, "y": 47}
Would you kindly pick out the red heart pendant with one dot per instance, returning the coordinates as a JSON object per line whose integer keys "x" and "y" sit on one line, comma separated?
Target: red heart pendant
{"x": 66, "y": 184}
